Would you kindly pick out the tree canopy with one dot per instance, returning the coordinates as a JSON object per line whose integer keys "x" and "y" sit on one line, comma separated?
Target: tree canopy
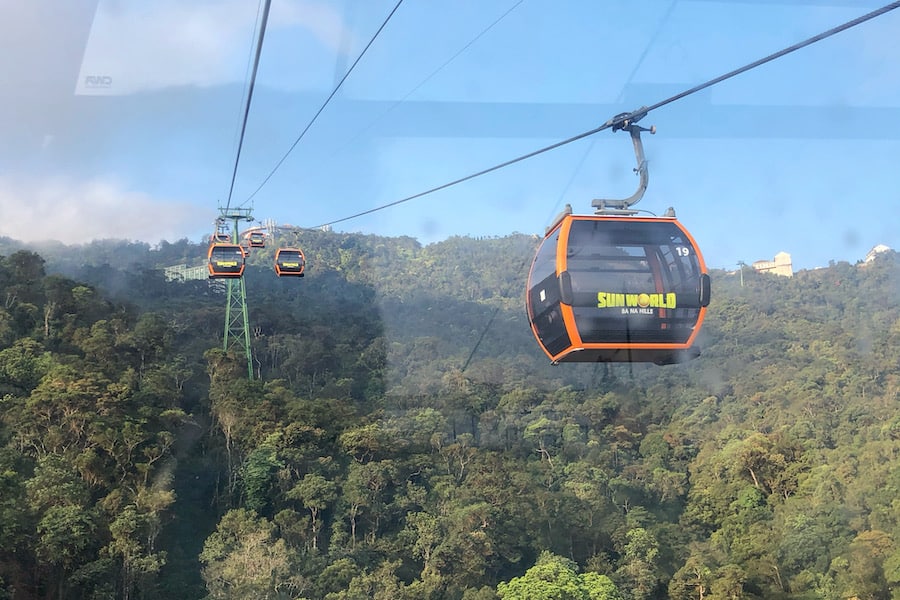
{"x": 404, "y": 436}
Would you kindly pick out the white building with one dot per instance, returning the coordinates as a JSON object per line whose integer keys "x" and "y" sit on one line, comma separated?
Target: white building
{"x": 879, "y": 249}
{"x": 781, "y": 265}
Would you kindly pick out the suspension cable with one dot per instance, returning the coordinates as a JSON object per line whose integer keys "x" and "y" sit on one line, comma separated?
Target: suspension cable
{"x": 259, "y": 43}
{"x": 619, "y": 120}
{"x": 324, "y": 104}
{"x": 771, "y": 57}
{"x": 431, "y": 75}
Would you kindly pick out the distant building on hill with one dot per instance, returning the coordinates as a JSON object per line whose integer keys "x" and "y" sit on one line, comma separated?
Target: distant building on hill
{"x": 182, "y": 273}
{"x": 781, "y": 265}
{"x": 879, "y": 249}
{"x": 186, "y": 272}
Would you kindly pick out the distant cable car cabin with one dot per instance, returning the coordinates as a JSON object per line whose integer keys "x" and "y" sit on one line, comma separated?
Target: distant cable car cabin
{"x": 256, "y": 239}
{"x": 226, "y": 260}
{"x": 289, "y": 262}
{"x": 615, "y": 287}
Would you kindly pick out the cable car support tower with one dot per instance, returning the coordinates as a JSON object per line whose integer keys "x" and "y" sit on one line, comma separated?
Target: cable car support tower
{"x": 237, "y": 322}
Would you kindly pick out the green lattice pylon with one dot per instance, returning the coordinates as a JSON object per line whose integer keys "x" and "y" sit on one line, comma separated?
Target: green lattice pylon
{"x": 237, "y": 324}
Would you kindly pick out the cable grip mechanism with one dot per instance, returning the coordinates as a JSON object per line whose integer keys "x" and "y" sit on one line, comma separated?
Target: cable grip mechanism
{"x": 628, "y": 122}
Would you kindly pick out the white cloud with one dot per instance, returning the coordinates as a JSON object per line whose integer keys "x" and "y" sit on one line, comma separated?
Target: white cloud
{"x": 80, "y": 211}
{"x": 139, "y": 46}
{"x": 319, "y": 18}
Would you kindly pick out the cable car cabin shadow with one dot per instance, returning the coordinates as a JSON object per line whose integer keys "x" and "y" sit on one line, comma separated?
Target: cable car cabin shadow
{"x": 618, "y": 289}
{"x": 226, "y": 261}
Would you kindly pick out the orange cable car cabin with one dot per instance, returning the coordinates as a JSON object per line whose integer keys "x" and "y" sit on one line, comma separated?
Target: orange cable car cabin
{"x": 256, "y": 239}
{"x": 226, "y": 260}
{"x": 289, "y": 262}
{"x": 606, "y": 288}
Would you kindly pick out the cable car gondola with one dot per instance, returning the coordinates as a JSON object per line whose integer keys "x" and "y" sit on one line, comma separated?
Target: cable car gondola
{"x": 226, "y": 260}
{"x": 256, "y": 239}
{"x": 616, "y": 287}
{"x": 289, "y": 262}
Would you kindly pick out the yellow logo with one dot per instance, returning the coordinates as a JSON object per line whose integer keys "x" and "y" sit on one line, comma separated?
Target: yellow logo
{"x": 613, "y": 300}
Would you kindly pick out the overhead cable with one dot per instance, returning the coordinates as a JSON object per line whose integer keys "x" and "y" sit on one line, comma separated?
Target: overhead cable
{"x": 324, "y": 104}
{"x": 468, "y": 45}
{"x": 618, "y": 120}
{"x": 779, "y": 54}
{"x": 259, "y": 43}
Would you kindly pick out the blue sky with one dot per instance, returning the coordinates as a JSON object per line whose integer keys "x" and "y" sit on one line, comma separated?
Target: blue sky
{"x": 120, "y": 118}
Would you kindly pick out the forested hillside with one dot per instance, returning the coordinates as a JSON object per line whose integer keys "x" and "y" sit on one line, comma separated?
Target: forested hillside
{"x": 405, "y": 438}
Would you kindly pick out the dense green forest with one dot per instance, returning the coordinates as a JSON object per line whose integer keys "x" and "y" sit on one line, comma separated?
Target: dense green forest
{"x": 405, "y": 438}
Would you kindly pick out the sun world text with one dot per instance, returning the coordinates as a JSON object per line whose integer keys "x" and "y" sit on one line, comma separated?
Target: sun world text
{"x": 656, "y": 300}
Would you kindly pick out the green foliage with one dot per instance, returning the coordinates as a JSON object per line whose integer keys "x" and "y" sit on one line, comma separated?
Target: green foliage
{"x": 66, "y": 531}
{"x": 382, "y": 455}
{"x": 22, "y": 365}
{"x": 258, "y": 476}
{"x": 244, "y": 559}
{"x": 84, "y": 434}
{"x": 556, "y": 578}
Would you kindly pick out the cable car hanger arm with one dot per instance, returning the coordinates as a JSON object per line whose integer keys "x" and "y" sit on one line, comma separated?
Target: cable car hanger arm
{"x": 628, "y": 122}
